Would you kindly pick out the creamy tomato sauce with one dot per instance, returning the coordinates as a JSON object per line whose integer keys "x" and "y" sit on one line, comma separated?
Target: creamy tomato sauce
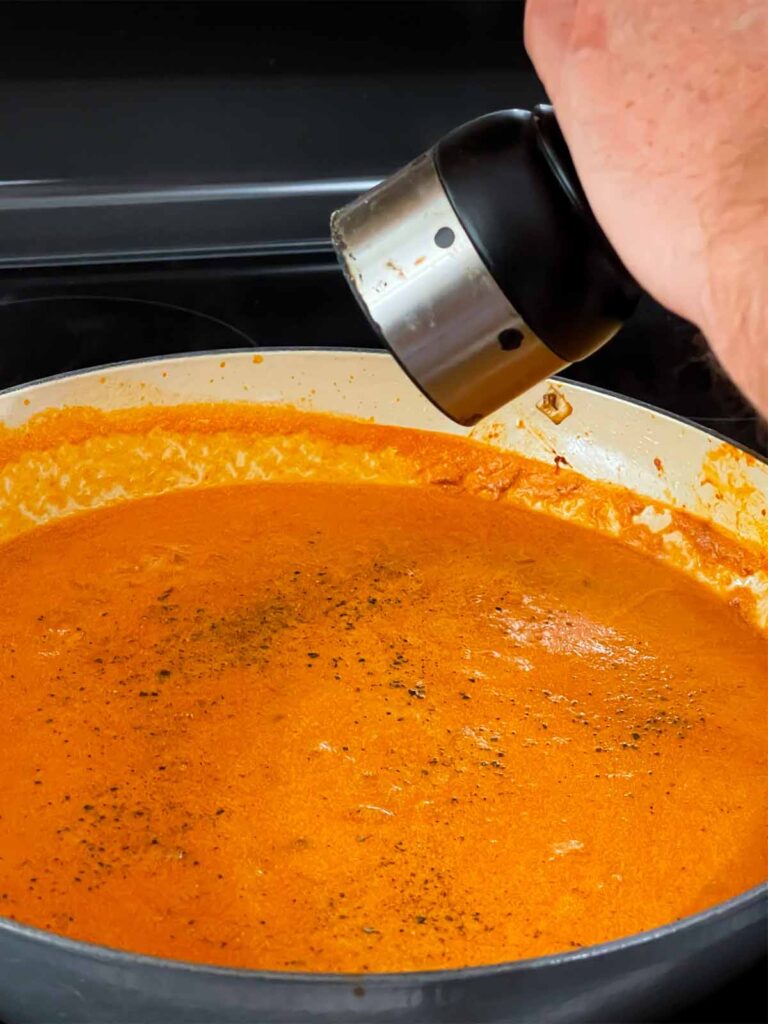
{"x": 338, "y": 726}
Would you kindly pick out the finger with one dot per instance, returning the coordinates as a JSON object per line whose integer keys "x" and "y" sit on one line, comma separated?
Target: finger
{"x": 548, "y": 29}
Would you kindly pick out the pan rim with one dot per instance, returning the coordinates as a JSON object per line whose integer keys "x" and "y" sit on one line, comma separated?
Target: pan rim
{"x": 753, "y": 897}
{"x": 101, "y": 368}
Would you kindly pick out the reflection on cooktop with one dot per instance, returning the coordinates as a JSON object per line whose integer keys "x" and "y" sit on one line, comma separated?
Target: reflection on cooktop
{"x": 63, "y": 319}
{"x": 71, "y": 333}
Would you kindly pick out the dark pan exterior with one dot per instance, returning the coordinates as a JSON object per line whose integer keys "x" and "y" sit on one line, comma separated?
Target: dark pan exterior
{"x": 46, "y": 979}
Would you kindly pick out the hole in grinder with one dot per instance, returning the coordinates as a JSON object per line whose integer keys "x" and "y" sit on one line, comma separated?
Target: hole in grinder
{"x": 510, "y": 339}
{"x": 445, "y": 238}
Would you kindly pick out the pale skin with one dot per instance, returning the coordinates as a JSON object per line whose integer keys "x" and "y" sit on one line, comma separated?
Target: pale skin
{"x": 664, "y": 105}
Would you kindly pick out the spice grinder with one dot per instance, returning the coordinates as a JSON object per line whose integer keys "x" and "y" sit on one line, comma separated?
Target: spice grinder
{"x": 481, "y": 265}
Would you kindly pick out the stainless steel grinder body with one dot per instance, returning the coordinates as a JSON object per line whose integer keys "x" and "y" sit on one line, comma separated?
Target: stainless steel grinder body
{"x": 481, "y": 265}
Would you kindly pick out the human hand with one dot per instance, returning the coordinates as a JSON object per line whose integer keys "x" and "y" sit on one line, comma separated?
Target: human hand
{"x": 664, "y": 105}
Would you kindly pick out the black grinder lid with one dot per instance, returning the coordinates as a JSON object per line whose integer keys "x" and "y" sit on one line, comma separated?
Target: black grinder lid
{"x": 511, "y": 180}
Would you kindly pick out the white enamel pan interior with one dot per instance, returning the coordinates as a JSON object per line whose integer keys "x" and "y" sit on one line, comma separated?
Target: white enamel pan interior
{"x": 603, "y": 437}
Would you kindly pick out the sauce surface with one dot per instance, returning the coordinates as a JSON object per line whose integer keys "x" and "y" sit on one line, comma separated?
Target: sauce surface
{"x": 349, "y": 727}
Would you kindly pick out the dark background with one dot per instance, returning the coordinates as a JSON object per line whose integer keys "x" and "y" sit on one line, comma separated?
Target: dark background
{"x": 167, "y": 171}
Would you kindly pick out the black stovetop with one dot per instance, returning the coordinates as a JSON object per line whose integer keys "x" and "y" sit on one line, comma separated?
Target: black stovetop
{"x": 56, "y": 319}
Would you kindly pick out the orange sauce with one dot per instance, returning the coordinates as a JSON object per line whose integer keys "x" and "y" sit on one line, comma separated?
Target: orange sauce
{"x": 339, "y": 726}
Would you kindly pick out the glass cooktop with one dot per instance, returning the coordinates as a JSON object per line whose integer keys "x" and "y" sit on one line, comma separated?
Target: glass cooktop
{"x": 55, "y": 319}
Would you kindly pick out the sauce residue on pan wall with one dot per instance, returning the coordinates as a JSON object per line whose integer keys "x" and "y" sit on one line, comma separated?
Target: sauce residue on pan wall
{"x": 312, "y": 705}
